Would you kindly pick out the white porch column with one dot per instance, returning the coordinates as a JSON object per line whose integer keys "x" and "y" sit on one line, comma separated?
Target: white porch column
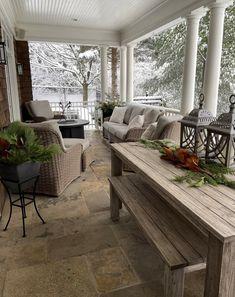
{"x": 104, "y": 71}
{"x": 130, "y": 74}
{"x": 123, "y": 73}
{"x": 214, "y": 53}
{"x": 190, "y": 62}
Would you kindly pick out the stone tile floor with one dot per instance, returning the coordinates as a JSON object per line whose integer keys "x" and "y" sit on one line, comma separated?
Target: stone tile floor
{"x": 80, "y": 252}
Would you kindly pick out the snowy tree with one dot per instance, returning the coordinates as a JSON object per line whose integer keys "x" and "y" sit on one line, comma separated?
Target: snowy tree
{"x": 163, "y": 56}
{"x": 65, "y": 65}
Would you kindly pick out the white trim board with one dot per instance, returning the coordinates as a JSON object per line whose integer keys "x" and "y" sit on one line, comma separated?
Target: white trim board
{"x": 70, "y": 34}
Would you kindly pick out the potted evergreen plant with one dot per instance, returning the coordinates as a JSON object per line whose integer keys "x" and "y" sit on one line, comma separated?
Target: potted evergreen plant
{"x": 107, "y": 108}
{"x": 21, "y": 153}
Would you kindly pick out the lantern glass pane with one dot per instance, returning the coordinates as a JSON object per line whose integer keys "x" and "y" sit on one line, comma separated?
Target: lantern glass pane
{"x": 1, "y": 54}
{"x": 231, "y": 152}
{"x": 217, "y": 147}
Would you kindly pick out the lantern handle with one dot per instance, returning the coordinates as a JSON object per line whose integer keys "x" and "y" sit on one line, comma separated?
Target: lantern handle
{"x": 201, "y": 100}
{"x": 232, "y": 103}
{"x": 232, "y": 99}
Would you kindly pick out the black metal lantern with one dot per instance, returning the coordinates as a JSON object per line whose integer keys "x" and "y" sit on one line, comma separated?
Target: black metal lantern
{"x": 193, "y": 133}
{"x": 220, "y": 146}
{"x": 3, "y": 56}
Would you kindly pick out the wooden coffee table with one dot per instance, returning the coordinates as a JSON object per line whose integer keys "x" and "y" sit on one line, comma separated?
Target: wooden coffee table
{"x": 72, "y": 128}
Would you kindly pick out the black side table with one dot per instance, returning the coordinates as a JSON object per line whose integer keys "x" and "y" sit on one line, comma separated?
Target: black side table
{"x": 72, "y": 128}
{"x": 19, "y": 187}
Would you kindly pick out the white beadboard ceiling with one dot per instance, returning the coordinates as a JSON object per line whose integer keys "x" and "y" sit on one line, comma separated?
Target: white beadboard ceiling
{"x": 93, "y": 14}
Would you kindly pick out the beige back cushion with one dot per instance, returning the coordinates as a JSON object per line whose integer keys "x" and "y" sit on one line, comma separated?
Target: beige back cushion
{"x": 163, "y": 122}
{"x": 40, "y": 109}
{"x": 136, "y": 110}
{"x": 127, "y": 115}
{"x": 151, "y": 115}
{"x": 172, "y": 131}
{"x": 164, "y": 128}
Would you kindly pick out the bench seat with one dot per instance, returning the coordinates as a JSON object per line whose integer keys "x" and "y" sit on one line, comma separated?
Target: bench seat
{"x": 180, "y": 244}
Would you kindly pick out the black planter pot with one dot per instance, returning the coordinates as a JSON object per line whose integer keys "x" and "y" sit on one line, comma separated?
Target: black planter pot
{"x": 14, "y": 174}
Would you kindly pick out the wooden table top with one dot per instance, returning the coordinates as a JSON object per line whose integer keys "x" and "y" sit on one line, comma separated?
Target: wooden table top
{"x": 213, "y": 208}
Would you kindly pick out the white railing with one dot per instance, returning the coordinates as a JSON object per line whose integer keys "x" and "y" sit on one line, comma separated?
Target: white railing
{"x": 149, "y": 100}
{"x": 170, "y": 111}
{"x": 79, "y": 110}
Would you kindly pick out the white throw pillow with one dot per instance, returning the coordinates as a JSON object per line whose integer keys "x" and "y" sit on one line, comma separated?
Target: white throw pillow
{"x": 136, "y": 122}
{"x": 118, "y": 115}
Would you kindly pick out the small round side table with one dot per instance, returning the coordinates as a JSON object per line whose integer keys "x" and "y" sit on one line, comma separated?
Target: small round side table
{"x": 23, "y": 201}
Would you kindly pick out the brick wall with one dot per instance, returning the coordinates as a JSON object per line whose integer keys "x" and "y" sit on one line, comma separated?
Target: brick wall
{"x": 4, "y": 116}
{"x": 24, "y": 81}
{"x": 4, "y": 109}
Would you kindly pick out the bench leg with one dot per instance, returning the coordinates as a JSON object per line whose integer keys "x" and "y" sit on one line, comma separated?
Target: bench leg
{"x": 114, "y": 205}
{"x": 173, "y": 282}
{"x": 116, "y": 170}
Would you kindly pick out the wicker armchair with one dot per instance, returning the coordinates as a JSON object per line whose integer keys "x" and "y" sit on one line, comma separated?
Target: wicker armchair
{"x": 40, "y": 111}
{"x": 65, "y": 167}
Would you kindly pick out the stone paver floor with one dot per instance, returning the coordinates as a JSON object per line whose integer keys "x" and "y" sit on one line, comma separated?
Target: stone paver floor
{"x": 79, "y": 252}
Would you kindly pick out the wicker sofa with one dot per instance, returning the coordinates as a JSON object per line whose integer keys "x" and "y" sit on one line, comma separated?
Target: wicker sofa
{"x": 115, "y": 132}
{"x": 75, "y": 156}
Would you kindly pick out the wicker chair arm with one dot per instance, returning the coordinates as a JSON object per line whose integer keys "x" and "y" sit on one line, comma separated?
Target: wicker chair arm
{"x": 39, "y": 119}
{"x": 134, "y": 134}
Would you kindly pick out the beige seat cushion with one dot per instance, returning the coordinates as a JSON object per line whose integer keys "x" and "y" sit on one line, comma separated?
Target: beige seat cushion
{"x": 118, "y": 115}
{"x": 121, "y": 132}
{"x": 151, "y": 115}
{"x": 118, "y": 130}
{"x": 110, "y": 126}
{"x": 40, "y": 109}
{"x": 68, "y": 142}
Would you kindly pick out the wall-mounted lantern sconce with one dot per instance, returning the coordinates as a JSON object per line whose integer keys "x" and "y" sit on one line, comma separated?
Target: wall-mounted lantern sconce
{"x": 3, "y": 56}
{"x": 19, "y": 68}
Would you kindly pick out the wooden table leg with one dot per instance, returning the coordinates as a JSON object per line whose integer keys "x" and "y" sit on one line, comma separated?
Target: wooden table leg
{"x": 173, "y": 282}
{"x": 115, "y": 202}
{"x": 220, "y": 274}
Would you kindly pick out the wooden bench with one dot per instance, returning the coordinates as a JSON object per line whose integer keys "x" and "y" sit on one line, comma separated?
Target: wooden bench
{"x": 182, "y": 247}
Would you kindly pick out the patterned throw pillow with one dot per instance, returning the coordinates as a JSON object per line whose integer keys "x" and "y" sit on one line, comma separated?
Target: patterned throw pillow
{"x": 136, "y": 122}
{"x": 150, "y": 132}
{"x": 118, "y": 115}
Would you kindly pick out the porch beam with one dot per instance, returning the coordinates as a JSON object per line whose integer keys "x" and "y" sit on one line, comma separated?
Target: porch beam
{"x": 190, "y": 62}
{"x": 104, "y": 71}
{"x": 130, "y": 72}
{"x": 214, "y": 54}
{"x": 123, "y": 69}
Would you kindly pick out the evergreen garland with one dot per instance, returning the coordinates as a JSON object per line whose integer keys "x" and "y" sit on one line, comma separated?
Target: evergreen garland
{"x": 211, "y": 173}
